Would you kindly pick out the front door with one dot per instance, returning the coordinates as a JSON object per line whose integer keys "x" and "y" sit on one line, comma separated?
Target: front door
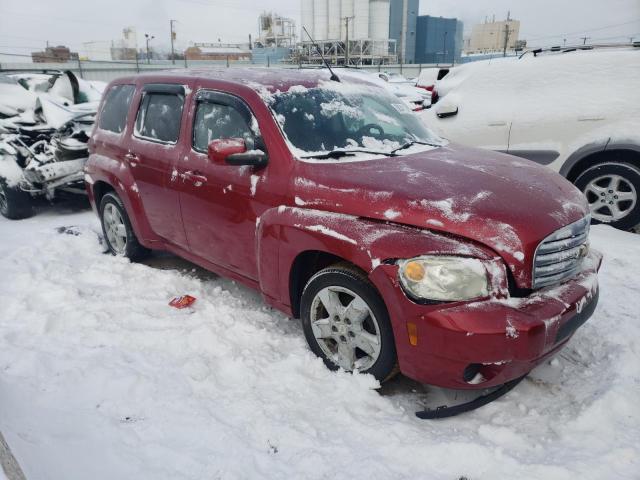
{"x": 152, "y": 152}
{"x": 220, "y": 203}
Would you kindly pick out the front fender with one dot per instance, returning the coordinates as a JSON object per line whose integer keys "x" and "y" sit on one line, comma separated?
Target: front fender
{"x": 283, "y": 233}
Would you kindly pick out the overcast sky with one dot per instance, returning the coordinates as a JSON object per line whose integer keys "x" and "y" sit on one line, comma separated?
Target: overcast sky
{"x": 26, "y": 25}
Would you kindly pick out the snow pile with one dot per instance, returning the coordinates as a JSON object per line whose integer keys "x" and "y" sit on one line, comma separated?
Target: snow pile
{"x": 101, "y": 379}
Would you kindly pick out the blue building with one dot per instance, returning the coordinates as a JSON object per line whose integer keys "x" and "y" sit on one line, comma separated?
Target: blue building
{"x": 438, "y": 40}
{"x": 404, "y": 33}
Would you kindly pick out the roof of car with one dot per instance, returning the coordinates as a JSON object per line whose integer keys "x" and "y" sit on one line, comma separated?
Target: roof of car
{"x": 272, "y": 79}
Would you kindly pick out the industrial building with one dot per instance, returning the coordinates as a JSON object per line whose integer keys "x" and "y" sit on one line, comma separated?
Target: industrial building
{"x": 377, "y": 31}
{"x": 347, "y": 32}
{"x": 127, "y": 48}
{"x": 490, "y": 36}
{"x": 438, "y": 40}
{"x": 218, "y": 51}
{"x": 276, "y": 39}
{"x": 403, "y": 16}
{"x": 59, "y": 54}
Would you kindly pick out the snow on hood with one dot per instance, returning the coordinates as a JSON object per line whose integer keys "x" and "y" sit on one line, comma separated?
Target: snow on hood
{"x": 505, "y": 203}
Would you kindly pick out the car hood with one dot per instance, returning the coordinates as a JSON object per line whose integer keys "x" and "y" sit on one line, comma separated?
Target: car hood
{"x": 503, "y": 202}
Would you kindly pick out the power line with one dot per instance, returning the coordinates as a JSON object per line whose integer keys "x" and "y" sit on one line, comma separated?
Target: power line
{"x": 587, "y": 30}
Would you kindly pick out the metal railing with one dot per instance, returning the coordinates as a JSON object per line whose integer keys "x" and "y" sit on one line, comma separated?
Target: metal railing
{"x": 109, "y": 70}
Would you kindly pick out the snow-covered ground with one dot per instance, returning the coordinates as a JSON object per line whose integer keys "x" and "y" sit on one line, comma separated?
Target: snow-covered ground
{"x": 101, "y": 379}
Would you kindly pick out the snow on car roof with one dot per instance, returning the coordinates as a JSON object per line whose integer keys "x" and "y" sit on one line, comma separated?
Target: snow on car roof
{"x": 270, "y": 79}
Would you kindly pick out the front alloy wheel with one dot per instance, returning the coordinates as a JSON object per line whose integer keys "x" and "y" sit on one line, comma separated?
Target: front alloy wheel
{"x": 345, "y": 328}
{"x": 346, "y": 322}
{"x": 612, "y": 192}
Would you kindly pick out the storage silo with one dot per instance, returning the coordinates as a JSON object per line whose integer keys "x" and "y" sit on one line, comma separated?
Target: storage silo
{"x": 307, "y": 18}
{"x": 361, "y": 21}
{"x": 333, "y": 29}
{"x": 320, "y": 19}
{"x": 379, "y": 19}
{"x": 346, "y": 11}
{"x": 379, "y": 26}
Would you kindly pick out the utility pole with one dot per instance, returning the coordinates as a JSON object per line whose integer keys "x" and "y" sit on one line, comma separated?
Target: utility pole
{"x": 444, "y": 47}
{"x": 148, "y": 38}
{"x": 584, "y": 40}
{"x": 506, "y": 38}
{"x": 346, "y": 40}
{"x": 173, "y": 37}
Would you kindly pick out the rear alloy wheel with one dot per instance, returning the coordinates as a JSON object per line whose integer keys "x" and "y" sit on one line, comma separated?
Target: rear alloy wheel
{"x": 116, "y": 227}
{"x": 346, "y": 322}
{"x": 612, "y": 191}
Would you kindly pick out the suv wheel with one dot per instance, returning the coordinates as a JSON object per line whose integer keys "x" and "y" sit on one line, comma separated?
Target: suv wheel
{"x": 116, "y": 227}
{"x": 346, "y": 322}
{"x": 14, "y": 202}
{"x": 612, "y": 191}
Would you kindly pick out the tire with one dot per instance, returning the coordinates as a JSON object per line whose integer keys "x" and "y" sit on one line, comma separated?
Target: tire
{"x": 613, "y": 193}
{"x": 348, "y": 329}
{"x": 15, "y": 204}
{"x": 116, "y": 228}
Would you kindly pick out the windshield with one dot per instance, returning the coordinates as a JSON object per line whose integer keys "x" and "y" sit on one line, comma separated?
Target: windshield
{"x": 348, "y": 117}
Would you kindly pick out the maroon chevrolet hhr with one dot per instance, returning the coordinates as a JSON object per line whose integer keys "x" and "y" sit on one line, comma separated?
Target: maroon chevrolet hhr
{"x": 462, "y": 268}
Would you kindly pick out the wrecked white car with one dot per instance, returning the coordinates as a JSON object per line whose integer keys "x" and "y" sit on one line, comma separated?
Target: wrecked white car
{"x": 44, "y": 130}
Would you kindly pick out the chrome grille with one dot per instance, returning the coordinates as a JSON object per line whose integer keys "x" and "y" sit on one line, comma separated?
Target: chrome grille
{"x": 559, "y": 256}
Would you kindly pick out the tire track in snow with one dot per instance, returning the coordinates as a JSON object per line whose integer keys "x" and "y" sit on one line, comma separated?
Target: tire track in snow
{"x": 8, "y": 462}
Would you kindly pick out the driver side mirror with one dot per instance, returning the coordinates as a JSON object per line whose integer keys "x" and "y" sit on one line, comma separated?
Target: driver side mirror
{"x": 233, "y": 151}
{"x": 446, "y": 109}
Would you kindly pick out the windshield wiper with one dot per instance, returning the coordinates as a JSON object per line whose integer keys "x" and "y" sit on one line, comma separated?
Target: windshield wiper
{"x": 414, "y": 142}
{"x": 349, "y": 153}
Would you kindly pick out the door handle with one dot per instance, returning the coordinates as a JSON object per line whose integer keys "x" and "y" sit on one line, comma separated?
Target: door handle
{"x": 131, "y": 157}
{"x": 195, "y": 177}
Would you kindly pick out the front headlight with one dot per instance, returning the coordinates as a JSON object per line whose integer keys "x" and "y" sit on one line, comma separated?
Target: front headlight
{"x": 444, "y": 278}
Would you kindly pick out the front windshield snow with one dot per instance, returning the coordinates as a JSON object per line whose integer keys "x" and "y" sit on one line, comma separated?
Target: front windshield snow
{"x": 320, "y": 121}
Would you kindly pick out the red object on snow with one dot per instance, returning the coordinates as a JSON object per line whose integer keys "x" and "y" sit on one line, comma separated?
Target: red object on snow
{"x": 183, "y": 301}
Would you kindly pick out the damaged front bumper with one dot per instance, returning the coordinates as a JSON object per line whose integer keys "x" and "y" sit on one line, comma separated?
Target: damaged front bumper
{"x": 480, "y": 344}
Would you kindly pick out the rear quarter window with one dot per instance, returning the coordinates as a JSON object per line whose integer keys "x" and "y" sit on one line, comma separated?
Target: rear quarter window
{"x": 159, "y": 117}
{"x": 116, "y": 107}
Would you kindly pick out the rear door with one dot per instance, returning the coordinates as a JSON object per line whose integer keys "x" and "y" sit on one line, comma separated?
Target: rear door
{"x": 108, "y": 141}
{"x": 152, "y": 152}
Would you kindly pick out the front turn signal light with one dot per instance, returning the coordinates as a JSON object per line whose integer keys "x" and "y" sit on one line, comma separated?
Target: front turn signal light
{"x": 412, "y": 330}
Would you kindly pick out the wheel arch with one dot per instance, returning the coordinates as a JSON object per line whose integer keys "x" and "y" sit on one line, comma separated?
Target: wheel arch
{"x": 588, "y": 157}
{"x": 100, "y": 188}
{"x": 304, "y": 266}
{"x": 130, "y": 197}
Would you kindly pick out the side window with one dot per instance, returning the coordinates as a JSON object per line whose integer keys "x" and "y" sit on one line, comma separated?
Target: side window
{"x": 214, "y": 120}
{"x": 116, "y": 107}
{"x": 159, "y": 117}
